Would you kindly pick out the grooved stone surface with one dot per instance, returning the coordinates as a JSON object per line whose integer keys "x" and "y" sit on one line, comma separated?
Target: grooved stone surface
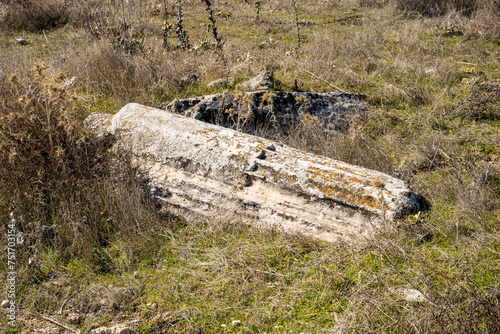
{"x": 212, "y": 171}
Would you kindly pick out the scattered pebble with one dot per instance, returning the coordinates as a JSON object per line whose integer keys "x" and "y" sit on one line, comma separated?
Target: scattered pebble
{"x": 21, "y": 41}
{"x": 120, "y": 329}
{"x": 6, "y": 304}
{"x": 189, "y": 78}
{"x": 413, "y": 295}
{"x": 74, "y": 318}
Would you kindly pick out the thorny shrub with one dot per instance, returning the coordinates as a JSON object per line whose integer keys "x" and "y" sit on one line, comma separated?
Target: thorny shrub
{"x": 55, "y": 175}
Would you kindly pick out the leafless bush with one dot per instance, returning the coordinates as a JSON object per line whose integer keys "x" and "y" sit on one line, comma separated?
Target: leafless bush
{"x": 36, "y": 15}
{"x": 56, "y": 174}
{"x": 297, "y": 25}
{"x": 258, "y": 7}
{"x": 371, "y": 3}
{"x": 213, "y": 25}
{"x": 142, "y": 77}
{"x": 125, "y": 19}
{"x": 486, "y": 19}
{"x": 483, "y": 103}
{"x": 437, "y": 7}
{"x": 179, "y": 27}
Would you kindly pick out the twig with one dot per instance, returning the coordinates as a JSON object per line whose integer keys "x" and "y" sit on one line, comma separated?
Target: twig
{"x": 64, "y": 303}
{"x": 464, "y": 63}
{"x": 319, "y": 78}
{"x": 269, "y": 273}
{"x": 166, "y": 27}
{"x": 179, "y": 28}
{"x": 257, "y": 8}
{"x": 345, "y": 18}
{"x": 295, "y": 7}
{"x": 213, "y": 25}
{"x": 55, "y": 322}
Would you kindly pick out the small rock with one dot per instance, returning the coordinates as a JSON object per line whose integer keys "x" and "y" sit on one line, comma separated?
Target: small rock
{"x": 265, "y": 80}
{"x": 74, "y": 318}
{"x": 189, "y": 78}
{"x": 48, "y": 234}
{"x": 236, "y": 322}
{"x": 6, "y": 303}
{"x": 221, "y": 82}
{"x": 120, "y": 329}
{"x": 70, "y": 83}
{"x": 395, "y": 91}
{"x": 21, "y": 41}
{"x": 413, "y": 295}
{"x": 21, "y": 238}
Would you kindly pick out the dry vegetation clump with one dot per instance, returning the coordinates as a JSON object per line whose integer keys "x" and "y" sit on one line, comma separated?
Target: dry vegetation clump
{"x": 112, "y": 19}
{"x": 56, "y": 176}
{"x": 147, "y": 76}
{"x": 437, "y": 7}
{"x": 486, "y": 18}
{"x": 479, "y": 16}
{"x": 36, "y": 15}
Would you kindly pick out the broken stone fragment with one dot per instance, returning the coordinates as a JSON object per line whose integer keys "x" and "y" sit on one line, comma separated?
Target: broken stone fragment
{"x": 74, "y": 318}
{"x": 221, "y": 82}
{"x": 189, "y": 78}
{"x": 413, "y": 295}
{"x": 21, "y": 41}
{"x": 265, "y": 80}
{"x": 276, "y": 112}
{"x": 200, "y": 168}
{"x": 70, "y": 83}
{"x": 120, "y": 329}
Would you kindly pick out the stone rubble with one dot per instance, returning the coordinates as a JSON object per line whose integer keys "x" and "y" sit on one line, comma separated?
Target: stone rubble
{"x": 265, "y": 80}
{"x": 276, "y": 112}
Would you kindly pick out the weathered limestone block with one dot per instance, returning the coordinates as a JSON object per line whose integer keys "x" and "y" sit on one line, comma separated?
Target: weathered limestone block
{"x": 212, "y": 171}
{"x": 276, "y": 112}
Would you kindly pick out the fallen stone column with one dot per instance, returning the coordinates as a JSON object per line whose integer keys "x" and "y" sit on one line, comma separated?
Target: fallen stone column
{"x": 212, "y": 171}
